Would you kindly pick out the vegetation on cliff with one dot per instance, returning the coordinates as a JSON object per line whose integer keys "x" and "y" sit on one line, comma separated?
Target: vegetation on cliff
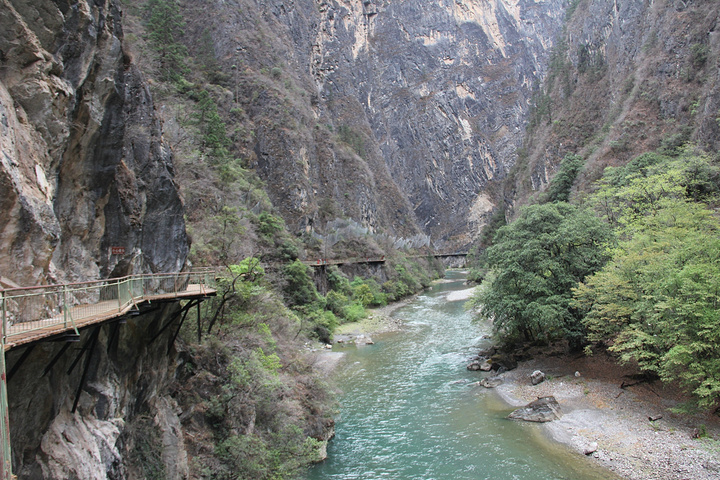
{"x": 255, "y": 407}
{"x": 633, "y": 268}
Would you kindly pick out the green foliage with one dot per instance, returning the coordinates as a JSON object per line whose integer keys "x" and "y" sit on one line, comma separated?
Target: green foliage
{"x": 335, "y": 302}
{"x": 535, "y": 263}
{"x": 674, "y": 144}
{"x": 212, "y": 127}
{"x": 406, "y": 278}
{"x": 656, "y": 302}
{"x": 353, "y": 312}
{"x": 299, "y": 288}
{"x": 562, "y": 183}
{"x": 146, "y": 452}
{"x": 699, "y": 54}
{"x": 276, "y": 458}
{"x": 225, "y": 234}
{"x": 269, "y": 224}
{"x": 337, "y": 281}
{"x": 166, "y": 26}
{"x": 249, "y": 269}
{"x": 497, "y": 220}
{"x": 367, "y": 292}
{"x": 626, "y": 194}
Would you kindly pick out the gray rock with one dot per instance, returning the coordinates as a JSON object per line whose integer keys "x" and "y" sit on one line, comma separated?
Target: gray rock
{"x": 492, "y": 382}
{"x": 544, "y": 409}
{"x": 590, "y": 448}
{"x": 503, "y": 360}
{"x": 537, "y": 377}
{"x": 364, "y": 340}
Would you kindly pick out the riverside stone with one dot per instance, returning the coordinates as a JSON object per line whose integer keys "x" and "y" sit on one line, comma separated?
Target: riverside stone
{"x": 544, "y": 409}
{"x": 537, "y": 377}
{"x": 492, "y": 382}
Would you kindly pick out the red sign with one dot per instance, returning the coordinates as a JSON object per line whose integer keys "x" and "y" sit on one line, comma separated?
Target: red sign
{"x": 117, "y": 250}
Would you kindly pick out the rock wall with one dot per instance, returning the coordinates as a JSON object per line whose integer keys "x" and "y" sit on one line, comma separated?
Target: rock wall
{"x": 400, "y": 115}
{"x": 444, "y": 87}
{"x": 126, "y": 386}
{"x": 83, "y": 165}
{"x": 628, "y": 77}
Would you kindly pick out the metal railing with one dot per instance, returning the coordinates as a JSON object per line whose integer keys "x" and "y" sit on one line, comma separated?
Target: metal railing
{"x": 325, "y": 261}
{"x": 28, "y": 309}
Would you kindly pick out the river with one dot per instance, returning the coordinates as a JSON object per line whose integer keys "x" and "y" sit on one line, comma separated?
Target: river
{"x": 408, "y": 411}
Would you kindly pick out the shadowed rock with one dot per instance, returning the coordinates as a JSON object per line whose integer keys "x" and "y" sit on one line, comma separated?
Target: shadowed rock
{"x": 544, "y": 409}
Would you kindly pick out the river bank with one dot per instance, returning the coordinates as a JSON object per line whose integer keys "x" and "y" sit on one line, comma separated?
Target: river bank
{"x": 378, "y": 321}
{"x": 598, "y": 413}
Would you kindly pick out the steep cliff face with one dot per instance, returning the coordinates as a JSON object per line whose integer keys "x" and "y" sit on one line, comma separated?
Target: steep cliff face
{"x": 444, "y": 88}
{"x": 123, "y": 399}
{"x": 626, "y": 77}
{"x": 83, "y": 163}
{"x": 399, "y": 115}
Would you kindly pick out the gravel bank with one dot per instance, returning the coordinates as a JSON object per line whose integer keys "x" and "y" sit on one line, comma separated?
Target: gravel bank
{"x": 596, "y": 410}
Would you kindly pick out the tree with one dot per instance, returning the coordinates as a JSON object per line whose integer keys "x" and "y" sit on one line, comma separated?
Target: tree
{"x": 535, "y": 263}
{"x": 212, "y": 126}
{"x": 562, "y": 183}
{"x": 300, "y": 289}
{"x": 167, "y": 26}
{"x": 657, "y": 302}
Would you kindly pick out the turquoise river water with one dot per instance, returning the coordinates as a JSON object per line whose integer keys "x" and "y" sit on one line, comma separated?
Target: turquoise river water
{"x": 407, "y": 410}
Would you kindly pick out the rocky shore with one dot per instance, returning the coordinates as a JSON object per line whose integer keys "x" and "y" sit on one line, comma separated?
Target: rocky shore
{"x": 617, "y": 420}
{"x": 377, "y": 322}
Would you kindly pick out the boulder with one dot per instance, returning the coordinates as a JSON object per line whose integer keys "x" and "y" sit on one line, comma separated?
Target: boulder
{"x": 544, "y": 409}
{"x": 364, "y": 340}
{"x": 491, "y": 382}
{"x": 590, "y": 448}
{"x": 537, "y": 377}
{"x": 487, "y": 352}
{"x": 474, "y": 366}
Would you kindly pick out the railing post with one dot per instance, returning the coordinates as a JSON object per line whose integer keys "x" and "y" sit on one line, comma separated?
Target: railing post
{"x": 117, "y": 287}
{"x": 66, "y": 311}
{"x": 4, "y": 317}
{"x": 6, "y": 464}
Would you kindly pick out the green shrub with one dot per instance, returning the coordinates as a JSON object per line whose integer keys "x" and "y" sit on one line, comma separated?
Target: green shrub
{"x": 353, "y": 312}
{"x": 299, "y": 289}
{"x": 337, "y": 281}
{"x": 269, "y": 224}
{"x": 335, "y": 302}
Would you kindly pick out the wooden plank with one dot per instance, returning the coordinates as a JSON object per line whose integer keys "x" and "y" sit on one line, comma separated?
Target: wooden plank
{"x": 16, "y": 336}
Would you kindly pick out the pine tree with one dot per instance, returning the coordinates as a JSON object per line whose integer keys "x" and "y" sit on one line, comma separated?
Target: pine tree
{"x": 167, "y": 26}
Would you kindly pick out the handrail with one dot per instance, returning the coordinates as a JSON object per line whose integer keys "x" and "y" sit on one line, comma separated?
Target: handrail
{"x": 26, "y": 309}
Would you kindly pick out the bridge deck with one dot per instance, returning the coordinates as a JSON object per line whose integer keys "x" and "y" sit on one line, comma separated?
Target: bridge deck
{"x": 25, "y": 333}
{"x": 31, "y": 314}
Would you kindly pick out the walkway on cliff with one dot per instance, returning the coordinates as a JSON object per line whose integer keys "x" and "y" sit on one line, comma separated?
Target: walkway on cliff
{"x": 324, "y": 261}
{"x": 31, "y": 314}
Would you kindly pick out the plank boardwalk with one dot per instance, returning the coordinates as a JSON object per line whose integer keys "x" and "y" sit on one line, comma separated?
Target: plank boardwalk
{"x": 79, "y": 316}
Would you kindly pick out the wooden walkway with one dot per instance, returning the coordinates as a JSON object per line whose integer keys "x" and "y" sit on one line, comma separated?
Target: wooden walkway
{"x": 70, "y": 318}
{"x": 320, "y": 262}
